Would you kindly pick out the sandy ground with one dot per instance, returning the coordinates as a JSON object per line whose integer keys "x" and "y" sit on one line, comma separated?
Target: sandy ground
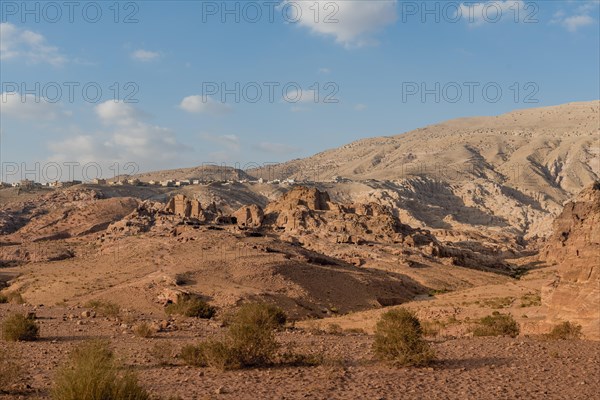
{"x": 467, "y": 368}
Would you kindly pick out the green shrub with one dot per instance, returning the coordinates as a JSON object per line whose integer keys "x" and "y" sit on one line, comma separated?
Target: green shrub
{"x": 19, "y": 327}
{"x": 93, "y": 374}
{"x": 565, "y": 331}
{"x": 497, "y": 325}
{"x": 250, "y": 340}
{"x": 10, "y": 370}
{"x": 399, "y": 339}
{"x": 3, "y": 299}
{"x": 191, "y": 306}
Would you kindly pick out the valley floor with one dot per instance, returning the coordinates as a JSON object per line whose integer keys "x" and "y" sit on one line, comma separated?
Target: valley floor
{"x": 467, "y": 368}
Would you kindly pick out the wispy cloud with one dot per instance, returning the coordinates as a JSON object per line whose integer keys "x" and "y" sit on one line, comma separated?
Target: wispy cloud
{"x": 126, "y": 138}
{"x": 145, "y": 55}
{"x": 577, "y": 17}
{"x": 204, "y": 105}
{"x": 30, "y": 107}
{"x": 21, "y": 44}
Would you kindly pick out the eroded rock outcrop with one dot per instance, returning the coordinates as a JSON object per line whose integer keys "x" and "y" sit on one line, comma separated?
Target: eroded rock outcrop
{"x": 250, "y": 216}
{"x": 575, "y": 248}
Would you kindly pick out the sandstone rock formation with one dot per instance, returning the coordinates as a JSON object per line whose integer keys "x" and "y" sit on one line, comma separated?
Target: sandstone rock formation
{"x": 305, "y": 210}
{"x": 250, "y": 216}
{"x": 181, "y": 206}
{"x": 575, "y": 248}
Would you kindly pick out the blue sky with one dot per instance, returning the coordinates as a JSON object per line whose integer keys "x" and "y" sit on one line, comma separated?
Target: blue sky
{"x": 357, "y": 68}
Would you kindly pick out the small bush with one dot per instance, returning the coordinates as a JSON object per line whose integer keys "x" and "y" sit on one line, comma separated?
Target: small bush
{"x": 399, "y": 339}
{"x": 10, "y": 370}
{"x": 250, "y": 340}
{"x": 497, "y": 325}
{"x": 191, "y": 306}
{"x": 104, "y": 308}
{"x": 143, "y": 330}
{"x": 19, "y": 327}
{"x": 260, "y": 314}
{"x": 334, "y": 329}
{"x": 12, "y": 297}
{"x": 565, "y": 331}
{"x": 93, "y": 374}
{"x": 162, "y": 352}
{"x": 531, "y": 300}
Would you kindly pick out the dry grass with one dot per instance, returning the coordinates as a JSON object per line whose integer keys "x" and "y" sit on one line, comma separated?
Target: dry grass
{"x": 531, "y": 300}
{"x": 565, "y": 331}
{"x": 19, "y": 327}
{"x": 250, "y": 340}
{"x": 143, "y": 330}
{"x": 93, "y": 374}
{"x": 191, "y": 306}
{"x": 104, "y": 308}
{"x": 497, "y": 325}
{"x": 12, "y": 297}
{"x": 399, "y": 339}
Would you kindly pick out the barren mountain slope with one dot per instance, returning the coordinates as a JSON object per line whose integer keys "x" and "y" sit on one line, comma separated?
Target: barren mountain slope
{"x": 519, "y": 167}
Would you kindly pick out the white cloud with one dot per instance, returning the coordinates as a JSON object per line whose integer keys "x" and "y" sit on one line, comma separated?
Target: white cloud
{"x": 577, "y": 21}
{"x": 17, "y": 43}
{"x": 118, "y": 113}
{"x": 577, "y": 18}
{"x": 28, "y": 107}
{"x": 360, "y": 107}
{"x": 492, "y": 11}
{"x": 127, "y": 138}
{"x": 204, "y": 105}
{"x": 301, "y": 96}
{"x": 351, "y": 23}
{"x": 145, "y": 55}
{"x": 324, "y": 70}
{"x": 276, "y": 148}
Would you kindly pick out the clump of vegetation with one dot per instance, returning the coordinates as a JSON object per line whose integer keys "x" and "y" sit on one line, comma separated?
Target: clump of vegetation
{"x": 498, "y": 302}
{"x": 104, "y": 308}
{"x": 334, "y": 329}
{"x": 191, "y": 306}
{"x": 11, "y": 297}
{"x": 93, "y": 374}
{"x": 10, "y": 370}
{"x": 531, "y": 300}
{"x": 17, "y": 327}
{"x": 497, "y": 325}
{"x": 162, "y": 352}
{"x": 143, "y": 330}
{"x": 565, "y": 331}
{"x": 250, "y": 340}
{"x": 399, "y": 339}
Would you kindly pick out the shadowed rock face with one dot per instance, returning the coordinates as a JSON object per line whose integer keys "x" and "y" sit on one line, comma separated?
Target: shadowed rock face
{"x": 575, "y": 247}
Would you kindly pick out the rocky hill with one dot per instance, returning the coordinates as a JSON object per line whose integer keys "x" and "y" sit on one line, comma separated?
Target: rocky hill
{"x": 514, "y": 170}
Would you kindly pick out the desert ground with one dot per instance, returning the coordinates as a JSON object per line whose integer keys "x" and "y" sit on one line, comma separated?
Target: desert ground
{"x": 100, "y": 260}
